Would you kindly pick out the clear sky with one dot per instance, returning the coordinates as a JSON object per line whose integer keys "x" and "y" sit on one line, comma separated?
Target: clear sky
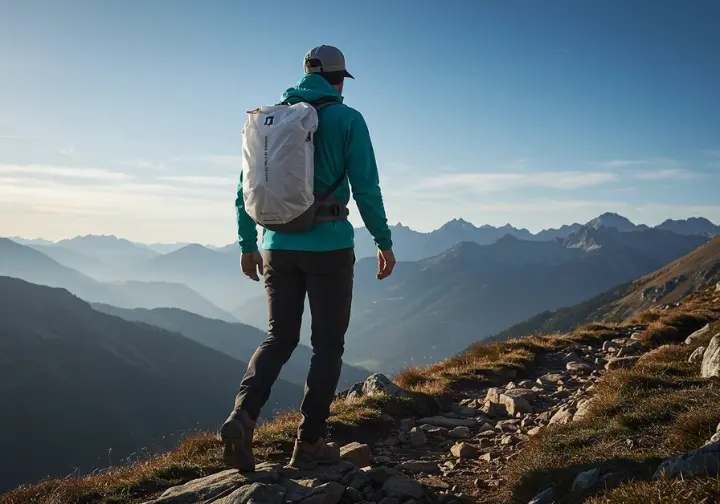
{"x": 124, "y": 116}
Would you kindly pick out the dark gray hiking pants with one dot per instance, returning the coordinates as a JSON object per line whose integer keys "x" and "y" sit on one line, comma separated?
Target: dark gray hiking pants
{"x": 327, "y": 277}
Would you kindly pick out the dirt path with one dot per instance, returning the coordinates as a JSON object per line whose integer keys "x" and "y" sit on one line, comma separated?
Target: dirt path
{"x": 460, "y": 455}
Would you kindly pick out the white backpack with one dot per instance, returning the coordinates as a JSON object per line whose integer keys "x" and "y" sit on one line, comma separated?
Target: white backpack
{"x": 279, "y": 169}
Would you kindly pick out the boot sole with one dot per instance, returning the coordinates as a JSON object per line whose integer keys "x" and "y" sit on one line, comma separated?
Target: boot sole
{"x": 235, "y": 455}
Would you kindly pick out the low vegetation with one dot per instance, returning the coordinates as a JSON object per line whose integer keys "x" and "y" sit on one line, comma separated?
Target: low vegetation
{"x": 638, "y": 417}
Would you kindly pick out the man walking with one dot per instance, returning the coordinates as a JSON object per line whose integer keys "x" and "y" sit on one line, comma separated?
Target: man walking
{"x": 319, "y": 262}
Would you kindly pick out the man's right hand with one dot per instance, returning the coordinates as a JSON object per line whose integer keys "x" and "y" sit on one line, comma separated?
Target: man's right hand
{"x": 386, "y": 263}
{"x": 251, "y": 265}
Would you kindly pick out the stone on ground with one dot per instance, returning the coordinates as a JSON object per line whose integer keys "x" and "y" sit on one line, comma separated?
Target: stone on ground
{"x": 417, "y": 437}
{"x": 419, "y": 466}
{"x": 545, "y": 497}
{"x": 711, "y": 359}
{"x": 202, "y": 488}
{"x": 463, "y": 451}
{"x": 697, "y": 355}
{"x": 703, "y": 461}
{"x": 256, "y": 493}
{"x": 441, "y": 421}
{"x": 621, "y": 363}
{"x": 551, "y": 379}
{"x": 381, "y": 384}
{"x": 515, "y": 404}
{"x": 563, "y": 416}
{"x": 459, "y": 433}
{"x": 579, "y": 367}
{"x": 357, "y": 454}
{"x": 403, "y": 488}
{"x": 586, "y": 480}
{"x": 697, "y": 334}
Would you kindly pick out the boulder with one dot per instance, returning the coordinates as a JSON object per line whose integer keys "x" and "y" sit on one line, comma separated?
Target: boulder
{"x": 463, "y": 451}
{"x": 417, "y": 437}
{"x": 697, "y": 334}
{"x": 583, "y": 407}
{"x": 700, "y": 462}
{"x": 357, "y": 454}
{"x": 515, "y": 404}
{"x": 586, "y": 480}
{"x": 621, "y": 363}
{"x": 381, "y": 384}
{"x": 551, "y": 379}
{"x": 403, "y": 488}
{"x": 459, "y": 433}
{"x": 202, "y": 489}
{"x": 255, "y": 493}
{"x": 406, "y": 424}
{"x": 379, "y": 475}
{"x": 697, "y": 356}
{"x": 493, "y": 395}
{"x": 329, "y": 493}
{"x": 579, "y": 367}
{"x": 711, "y": 359}
{"x": 563, "y": 416}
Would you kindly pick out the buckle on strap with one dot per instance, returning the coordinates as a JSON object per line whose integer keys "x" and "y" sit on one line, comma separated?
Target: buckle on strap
{"x": 335, "y": 210}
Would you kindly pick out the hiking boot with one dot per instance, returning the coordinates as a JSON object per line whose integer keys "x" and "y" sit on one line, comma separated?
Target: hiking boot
{"x": 237, "y": 434}
{"x": 307, "y": 456}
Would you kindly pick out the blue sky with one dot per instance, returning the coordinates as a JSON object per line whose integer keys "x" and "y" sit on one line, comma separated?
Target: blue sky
{"x": 124, "y": 116}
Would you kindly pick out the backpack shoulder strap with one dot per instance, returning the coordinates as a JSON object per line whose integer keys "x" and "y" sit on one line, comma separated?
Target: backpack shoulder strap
{"x": 326, "y": 193}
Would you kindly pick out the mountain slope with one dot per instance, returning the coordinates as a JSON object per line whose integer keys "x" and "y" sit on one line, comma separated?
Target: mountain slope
{"x": 24, "y": 262}
{"x": 693, "y": 225}
{"x": 215, "y": 274}
{"x": 86, "y": 388}
{"x": 236, "y": 340}
{"x": 667, "y": 285}
{"x": 436, "y": 307}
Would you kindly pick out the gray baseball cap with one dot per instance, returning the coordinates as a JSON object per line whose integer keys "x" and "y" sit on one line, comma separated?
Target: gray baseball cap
{"x": 331, "y": 60}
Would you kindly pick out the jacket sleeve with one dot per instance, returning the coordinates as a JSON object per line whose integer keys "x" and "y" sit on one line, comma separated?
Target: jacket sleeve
{"x": 365, "y": 182}
{"x": 247, "y": 230}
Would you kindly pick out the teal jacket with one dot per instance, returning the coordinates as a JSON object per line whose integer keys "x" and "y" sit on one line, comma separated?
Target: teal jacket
{"x": 342, "y": 142}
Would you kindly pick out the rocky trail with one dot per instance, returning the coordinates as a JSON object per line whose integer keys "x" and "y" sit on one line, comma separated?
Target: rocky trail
{"x": 458, "y": 456}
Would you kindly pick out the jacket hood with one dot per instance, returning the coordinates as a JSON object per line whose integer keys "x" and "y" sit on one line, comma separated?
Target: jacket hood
{"x": 310, "y": 88}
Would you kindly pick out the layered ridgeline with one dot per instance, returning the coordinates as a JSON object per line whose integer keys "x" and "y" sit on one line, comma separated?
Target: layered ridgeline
{"x": 431, "y": 309}
{"x": 81, "y": 389}
{"x": 21, "y": 261}
{"x": 234, "y": 339}
{"x": 662, "y": 288}
{"x": 609, "y": 413}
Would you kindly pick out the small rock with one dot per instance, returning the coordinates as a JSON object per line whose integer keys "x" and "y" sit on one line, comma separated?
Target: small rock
{"x": 586, "y": 480}
{"x": 534, "y": 431}
{"x": 563, "y": 416}
{"x": 329, "y": 493}
{"x": 381, "y": 384}
{"x": 379, "y": 475}
{"x": 352, "y": 495}
{"x": 403, "y": 488}
{"x": 480, "y": 483}
{"x": 551, "y": 380}
{"x": 697, "y": 356}
{"x": 406, "y": 424}
{"x": 417, "y": 437}
{"x": 390, "y": 500}
{"x": 704, "y": 461}
{"x": 544, "y": 497}
{"x": 621, "y": 363}
{"x": 697, "y": 334}
{"x": 579, "y": 367}
{"x": 442, "y": 421}
{"x": 508, "y": 440}
{"x": 515, "y": 404}
{"x": 356, "y": 453}
{"x": 418, "y": 466}
{"x": 526, "y": 384}
{"x": 486, "y": 457}
{"x": 257, "y": 492}
{"x": 459, "y": 433}
{"x": 493, "y": 395}
{"x": 463, "y": 451}
{"x": 637, "y": 336}
{"x": 711, "y": 359}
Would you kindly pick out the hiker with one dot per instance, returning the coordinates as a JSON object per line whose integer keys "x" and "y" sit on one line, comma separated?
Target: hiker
{"x": 313, "y": 255}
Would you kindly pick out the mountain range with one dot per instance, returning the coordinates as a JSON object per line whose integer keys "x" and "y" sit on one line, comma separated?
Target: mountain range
{"x": 27, "y": 263}
{"x": 234, "y": 339}
{"x": 83, "y": 389}
{"x": 668, "y": 285}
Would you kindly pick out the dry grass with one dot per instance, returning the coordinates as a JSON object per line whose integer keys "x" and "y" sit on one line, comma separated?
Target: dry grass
{"x": 660, "y": 405}
{"x": 195, "y": 456}
{"x": 638, "y": 417}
